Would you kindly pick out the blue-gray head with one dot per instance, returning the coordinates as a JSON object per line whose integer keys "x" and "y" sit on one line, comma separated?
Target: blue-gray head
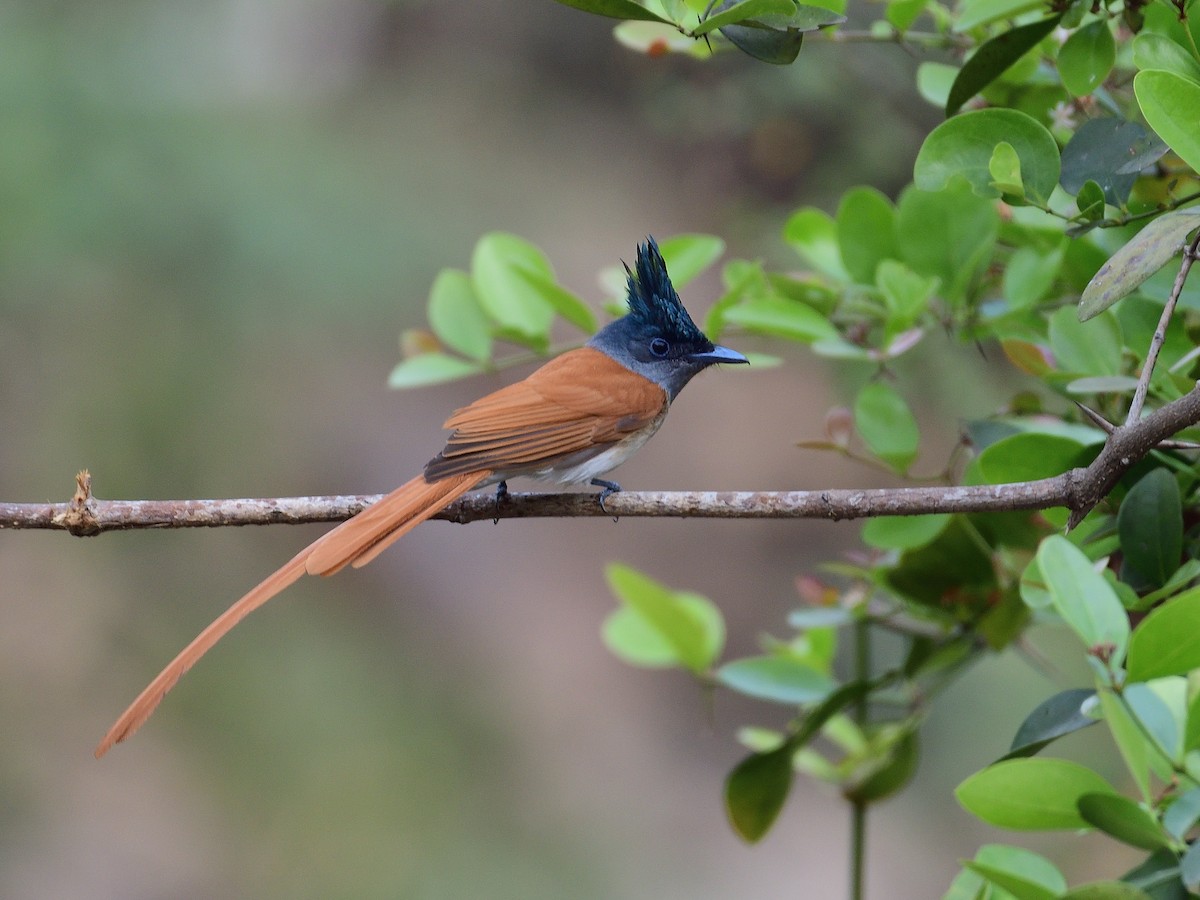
{"x": 657, "y": 338}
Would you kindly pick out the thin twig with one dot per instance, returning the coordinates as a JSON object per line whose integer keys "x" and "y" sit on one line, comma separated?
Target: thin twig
{"x": 1160, "y": 333}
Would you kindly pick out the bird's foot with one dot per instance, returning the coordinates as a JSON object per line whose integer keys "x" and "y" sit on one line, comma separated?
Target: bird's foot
{"x": 608, "y": 488}
{"x": 501, "y": 493}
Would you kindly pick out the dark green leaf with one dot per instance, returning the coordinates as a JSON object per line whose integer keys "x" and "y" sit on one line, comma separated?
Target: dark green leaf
{"x": 1030, "y": 794}
{"x": 1062, "y": 714}
{"x": 1089, "y": 199}
{"x": 1189, "y": 868}
{"x": 756, "y": 791}
{"x": 776, "y": 678}
{"x": 1123, "y": 819}
{"x": 1167, "y": 642}
{"x": 1150, "y": 525}
{"x": 1147, "y": 252}
{"x": 1158, "y": 876}
{"x": 893, "y": 775}
{"x": 729, "y": 13}
{"x": 993, "y": 58}
{"x": 1086, "y": 58}
{"x": 1100, "y": 151}
{"x": 1183, "y": 813}
{"x": 615, "y": 9}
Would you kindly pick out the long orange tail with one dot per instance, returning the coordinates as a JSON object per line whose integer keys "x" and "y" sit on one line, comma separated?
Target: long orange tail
{"x": 356, "y": 542}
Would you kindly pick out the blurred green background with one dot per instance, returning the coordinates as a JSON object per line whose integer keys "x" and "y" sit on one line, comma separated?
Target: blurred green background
{"x": 215, "y": 219}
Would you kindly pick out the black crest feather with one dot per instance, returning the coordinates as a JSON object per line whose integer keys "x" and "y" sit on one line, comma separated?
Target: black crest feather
{"x": 652, "y": 298}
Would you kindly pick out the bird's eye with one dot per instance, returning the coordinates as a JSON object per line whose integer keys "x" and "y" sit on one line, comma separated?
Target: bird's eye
{"x": 659, "y": 347}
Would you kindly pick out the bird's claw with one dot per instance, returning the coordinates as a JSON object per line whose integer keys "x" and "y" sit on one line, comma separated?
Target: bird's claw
{"x": 608, "y": 488}
{"x": 501, "y": 493}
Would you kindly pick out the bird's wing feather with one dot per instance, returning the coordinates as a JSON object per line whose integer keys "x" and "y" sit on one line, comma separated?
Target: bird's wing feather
{"x": 581, "y": 401}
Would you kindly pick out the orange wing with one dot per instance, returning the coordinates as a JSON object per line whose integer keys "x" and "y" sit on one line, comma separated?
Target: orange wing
{"x": 582, "y": 400}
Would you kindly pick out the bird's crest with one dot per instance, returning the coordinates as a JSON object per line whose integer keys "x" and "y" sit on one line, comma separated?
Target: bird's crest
{"x": 652, "y": 298}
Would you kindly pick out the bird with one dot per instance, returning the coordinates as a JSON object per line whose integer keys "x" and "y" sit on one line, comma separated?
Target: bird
{"x": 572, "y": 420}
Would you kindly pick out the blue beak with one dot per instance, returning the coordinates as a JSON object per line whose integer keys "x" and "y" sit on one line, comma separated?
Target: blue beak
{"x": 719, "y": 354}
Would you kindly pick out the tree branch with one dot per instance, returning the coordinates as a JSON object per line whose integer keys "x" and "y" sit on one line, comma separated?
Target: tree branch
{"x": 1079, "y": 490}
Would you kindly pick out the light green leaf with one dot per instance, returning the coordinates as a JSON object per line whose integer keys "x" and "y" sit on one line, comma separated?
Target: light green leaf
{"x": 1030, "y": 794}
{"x": 776, "y": 678}
{"x": 903, "y": 532}
{"x": 981, "y": 12}
{"x": 812, "y": 233}
{"x": 1086, "y": 58}
{"x": 1084, "y": 600}
{"x": 1028, "y": 456}
{"x": 948, "y": 235}
{"x": 633, "y": 639}
{"x": 457, "y": 318}
{"x": 558, "y": 298}
{"x": 1167, "y": 642}
{"x": 1157, "y": 51}
{"x": 1030, "y": 274}
{"x": 431, "y": 368}
{"x": 905, "y": 293}
{"x": 886, "y": 425}
{"x": 1171, "y": 104}
{"x": 785, "y": 318}
{"x": 1160, "y": 706}
{"x": 1147, "y": 252}
{"x": 1129, "y": 738}
{"x": 500, "y": 268}
{"x": 689, "y": 635}
{"x": 1094, "y": 348}
{"x": 1005, "y": 169}
{"x": 687, "y": 255}
{"x": 1024, "y": 874}
{"x": 866, "y": 232}
{"x": 964, "y": 146}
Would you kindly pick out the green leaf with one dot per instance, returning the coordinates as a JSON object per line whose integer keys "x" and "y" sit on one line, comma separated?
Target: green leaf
{"x": 1182, "y": 814}
{"x": 886, "y": 425}
{"x": 784, "y": 318}
{"x": 1030, "y": 794}
{"x": 615, "y": 9}
{"x": 1030, "y": 274}
{"x": 1108, "y": 890}
{"x": 1086, "y": 58}
{"x": 1064, "y": 713}
{"x": 777, "y": 38}
{"x": 866, "y": 232}
{"x": 964, "y": 146}
{"x": 430, "y": 368}
{"x": 1189, "y": 868}
{"x": 948, "y": 235}
{"x": 1129, "y": 738}
{"x": 1100, "y": 151}
{"x": 732, "y": 13}
{"x": 1157, "y": 51}
{"x": 1005, "y": 169}
{"x": 633, "y": 639}
{"x": 1150, "y": 525}
{"x": 687, "y": 255}
{"x": 934, "y": 81}
{"x": 1092, "y": 349}
{"x": 1083, "y": 598}
{"x": 993, "y": 58}
{"x": 689, "y": 635}
{"x": 903, "y": 532}
{"x": 981, "y": 12}
{"x": 894, "y": 775}
{"x": 1024, "y": 874}
{"x": 1171, "y": 104}
{"x": 776, "y": 678}
{"x": 1167, "y": 642}
{"x": 813, "y": 234}
{"x": 1147, "y": 252}
{"x": 1160, "y": 707}
{"x": 1090, "y": 200}
{"x": 457, "y": 318}
{"x": 756, "y": 790}
{"x": 1123, "y": 819}
{"x": 1028, "y": 456}
{"x": 500, "y": 273}
{"x": 558, "y": 298}
{"x": 905, "y": 293}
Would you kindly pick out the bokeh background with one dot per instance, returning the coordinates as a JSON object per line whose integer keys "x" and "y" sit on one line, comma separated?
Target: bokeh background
{"x": 215, "y": 220}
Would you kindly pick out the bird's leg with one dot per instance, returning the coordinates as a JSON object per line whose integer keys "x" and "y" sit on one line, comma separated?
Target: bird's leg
{"x": 501, "y": 493}
{"x": 608, "y": 488}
